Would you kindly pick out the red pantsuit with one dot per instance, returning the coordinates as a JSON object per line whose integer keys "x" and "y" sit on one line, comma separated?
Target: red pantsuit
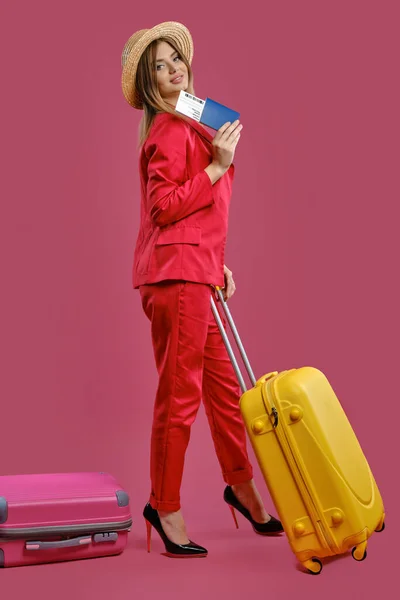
{"x": 192, "y": 364}
{"x": 179, "y": 255}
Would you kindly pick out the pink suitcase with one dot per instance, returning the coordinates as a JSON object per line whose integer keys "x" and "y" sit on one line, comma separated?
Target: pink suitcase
{"x": 60, "y": 517}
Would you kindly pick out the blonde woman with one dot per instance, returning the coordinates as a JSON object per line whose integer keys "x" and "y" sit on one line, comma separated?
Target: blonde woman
{"x": 186, "y": 180}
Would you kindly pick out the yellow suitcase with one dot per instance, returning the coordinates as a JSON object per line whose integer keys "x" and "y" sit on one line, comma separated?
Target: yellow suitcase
{"x": 315, "y": 470}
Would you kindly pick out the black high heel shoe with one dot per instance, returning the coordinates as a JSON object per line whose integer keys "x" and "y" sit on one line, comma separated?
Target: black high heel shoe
{"x": 271, "y": 528}
{"x": 190, "y": 550}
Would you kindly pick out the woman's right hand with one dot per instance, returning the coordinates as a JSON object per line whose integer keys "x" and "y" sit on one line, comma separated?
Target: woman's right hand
{"x": 224, "y": 144}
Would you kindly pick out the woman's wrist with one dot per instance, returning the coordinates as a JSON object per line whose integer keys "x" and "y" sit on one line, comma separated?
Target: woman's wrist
{"x": 215, "y": 172}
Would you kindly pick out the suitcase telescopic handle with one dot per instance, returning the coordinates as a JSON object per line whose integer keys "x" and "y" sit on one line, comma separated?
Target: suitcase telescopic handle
{"x": 227, "y": 343}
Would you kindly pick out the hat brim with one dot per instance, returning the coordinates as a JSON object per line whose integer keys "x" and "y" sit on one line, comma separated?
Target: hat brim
{"x": 177, "y": 32}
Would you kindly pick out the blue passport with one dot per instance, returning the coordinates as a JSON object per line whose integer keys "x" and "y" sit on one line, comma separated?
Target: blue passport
{"x": 214, "y": 114}
{"x": 208, "y": 112}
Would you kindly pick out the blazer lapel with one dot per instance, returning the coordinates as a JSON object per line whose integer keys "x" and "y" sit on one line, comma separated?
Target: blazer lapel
{"x": 200, "y": 129}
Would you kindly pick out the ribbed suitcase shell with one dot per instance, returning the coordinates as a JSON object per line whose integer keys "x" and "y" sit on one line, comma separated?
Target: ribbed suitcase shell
{"x": 61, "y": 516}
{"x": 314, "y": 467}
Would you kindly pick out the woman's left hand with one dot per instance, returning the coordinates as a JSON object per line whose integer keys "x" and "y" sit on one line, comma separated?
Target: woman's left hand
{"x": 230, "y": 286}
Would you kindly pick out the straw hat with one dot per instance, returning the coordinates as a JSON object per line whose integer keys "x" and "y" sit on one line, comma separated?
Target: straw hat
{"x": 138, "y": 43}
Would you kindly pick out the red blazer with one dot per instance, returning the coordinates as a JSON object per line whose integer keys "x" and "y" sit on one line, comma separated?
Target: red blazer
{"x": 183, "y": 217}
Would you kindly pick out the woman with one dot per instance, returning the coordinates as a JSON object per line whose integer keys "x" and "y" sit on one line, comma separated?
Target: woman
{"x": 186, "y": 178}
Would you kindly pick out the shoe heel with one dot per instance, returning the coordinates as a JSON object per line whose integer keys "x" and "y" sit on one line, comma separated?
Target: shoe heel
{"x": 234, "y": 516}
{"x": 148, "y": 528}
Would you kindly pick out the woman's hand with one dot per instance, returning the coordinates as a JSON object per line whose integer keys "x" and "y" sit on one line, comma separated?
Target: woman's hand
{"x": 224, "y": 145}
{"x": 230, "y": 286}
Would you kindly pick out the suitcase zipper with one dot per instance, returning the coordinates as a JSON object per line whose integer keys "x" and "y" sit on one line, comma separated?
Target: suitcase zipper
{"x": 25, "y": 533}
{"x": 316, "y": 517}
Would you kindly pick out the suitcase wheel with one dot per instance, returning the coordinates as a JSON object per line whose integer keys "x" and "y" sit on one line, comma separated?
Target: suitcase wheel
{"x": 313, "y": 566}
{"x": 381, "y": 528}
{"x": 359, "y": 553}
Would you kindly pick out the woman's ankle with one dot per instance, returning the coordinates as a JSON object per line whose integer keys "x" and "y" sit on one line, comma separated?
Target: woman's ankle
{"x": 248, "y": 495}
{"x": 244, "y": 487}
{"x": 174, "y": 526}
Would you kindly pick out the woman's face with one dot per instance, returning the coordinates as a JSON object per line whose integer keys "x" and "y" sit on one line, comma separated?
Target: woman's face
{"x": 172, "y": 73}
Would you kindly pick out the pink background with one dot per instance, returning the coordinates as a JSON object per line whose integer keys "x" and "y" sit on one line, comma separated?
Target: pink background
{"x": 313, "y": 246}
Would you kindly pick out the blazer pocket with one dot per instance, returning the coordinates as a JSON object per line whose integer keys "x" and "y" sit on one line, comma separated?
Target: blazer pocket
{"x": 179, "y": 235}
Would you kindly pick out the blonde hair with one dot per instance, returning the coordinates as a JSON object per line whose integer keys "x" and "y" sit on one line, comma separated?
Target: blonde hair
{"x": 147, "y": 87}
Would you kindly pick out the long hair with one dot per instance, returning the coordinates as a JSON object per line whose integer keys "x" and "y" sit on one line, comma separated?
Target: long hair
{"x": 147, "y": 86}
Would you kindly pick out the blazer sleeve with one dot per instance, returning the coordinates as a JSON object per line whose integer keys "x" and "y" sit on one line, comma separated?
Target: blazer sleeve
{"x": 171, "y": 196}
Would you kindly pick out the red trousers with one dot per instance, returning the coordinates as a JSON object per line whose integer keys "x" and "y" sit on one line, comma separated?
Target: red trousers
{"x": 193, "y": 365}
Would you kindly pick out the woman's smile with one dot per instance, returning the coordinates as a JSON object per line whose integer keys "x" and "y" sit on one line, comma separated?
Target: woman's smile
{"x": 177, "y": 79}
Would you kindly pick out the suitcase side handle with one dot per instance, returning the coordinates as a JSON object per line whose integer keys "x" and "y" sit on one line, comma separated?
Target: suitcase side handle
{"x": 78, "y": 541}
{"x": 237, "y": 340}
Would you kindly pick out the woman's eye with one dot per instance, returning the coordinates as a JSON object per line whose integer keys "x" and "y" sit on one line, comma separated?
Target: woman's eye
{"x": 158, "y": 67}
{"x": 177, "y": 58}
